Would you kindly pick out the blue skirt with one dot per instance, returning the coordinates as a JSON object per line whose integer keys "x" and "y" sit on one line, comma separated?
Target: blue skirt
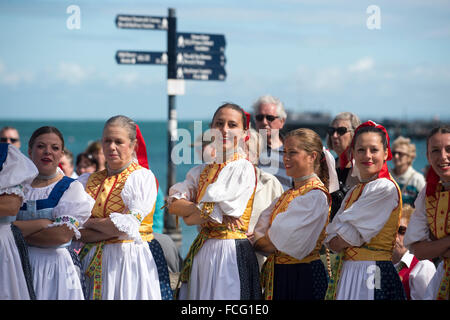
{"x": 301, "y": 281}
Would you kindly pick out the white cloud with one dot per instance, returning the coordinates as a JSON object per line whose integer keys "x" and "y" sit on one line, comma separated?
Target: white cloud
{"x": 72, "y": 73}
{"x": 362, "y": 65}
{"x": 14, "y": 78}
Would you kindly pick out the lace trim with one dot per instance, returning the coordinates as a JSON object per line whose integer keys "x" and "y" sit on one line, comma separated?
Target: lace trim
{"x": 177, "y": 196}
{"x": 124, "y": 224}
{"x": 17, "y": 190}
{"x": 70, "y": 222}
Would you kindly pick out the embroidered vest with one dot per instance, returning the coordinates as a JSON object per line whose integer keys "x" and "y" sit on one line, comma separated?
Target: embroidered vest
{"x": 106, "y": 193}
{"x": 282, "y": 205}
{"x": 438, "y": 213}
{"x": 279, "y": 257}
{"x": 381, "y": 246}
{"x": 213, "y": 230}
{"x": 220, "y": 231}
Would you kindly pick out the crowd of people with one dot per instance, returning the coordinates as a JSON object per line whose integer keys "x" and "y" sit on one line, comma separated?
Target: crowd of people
{"x": 279, "y": 217}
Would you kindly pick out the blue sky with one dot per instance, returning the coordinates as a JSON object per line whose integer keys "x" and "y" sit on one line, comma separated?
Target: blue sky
{"x": 316, "y": 55}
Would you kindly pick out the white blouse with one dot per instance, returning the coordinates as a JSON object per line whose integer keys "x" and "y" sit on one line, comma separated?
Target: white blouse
{"x": 139, "y": 196}
{"x": 17, "y": 171}
{"x": 72, "y": 210}
{"x": 418, "y": 224}
{"x": 364, "y": 219}
{"x": 230, "y": 192}
{"x": 296, "y": 230}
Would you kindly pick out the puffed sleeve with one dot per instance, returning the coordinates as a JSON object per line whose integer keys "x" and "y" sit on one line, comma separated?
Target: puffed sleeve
{"x": 297, "y": 230}
{"x": 418, "y": 229}
{"x": 73, "y": 209}
{"x": 188, "y": 188}
{"x": 139, "y": 196}
{"x": 230, "y": 193}
{"x": 83, "y": 179}
{"x": 365, "y": 217}
{"x": 16, "y": 172}
{"x": 263, "y": 223}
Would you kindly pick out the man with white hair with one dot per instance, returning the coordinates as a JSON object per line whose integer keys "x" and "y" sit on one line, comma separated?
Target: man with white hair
{"x": 270, "y": 118}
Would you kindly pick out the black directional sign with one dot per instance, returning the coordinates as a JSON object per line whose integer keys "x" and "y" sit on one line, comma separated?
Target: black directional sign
{"x": 200, "y": 42}
{"x": 141, "y": 57}
{"x": 199, "y": 73}
{"x": 211, "y": 60}
{"x": 141, "y": 22}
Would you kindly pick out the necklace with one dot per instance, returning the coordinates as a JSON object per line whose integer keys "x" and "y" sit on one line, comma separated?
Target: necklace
{"x": 112, "y": 172}
{"x": 369, "y": 179}
{"x": 50, "y": 177}
{"x": 300, "y": 179}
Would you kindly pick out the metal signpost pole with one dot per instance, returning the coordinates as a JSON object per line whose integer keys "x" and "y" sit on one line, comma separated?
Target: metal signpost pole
{"x": 172, "y": 113}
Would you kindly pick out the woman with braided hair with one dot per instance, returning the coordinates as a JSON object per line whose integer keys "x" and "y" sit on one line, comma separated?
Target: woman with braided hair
{"x": 291, "y": 230}
{"x": 221, "y": 263}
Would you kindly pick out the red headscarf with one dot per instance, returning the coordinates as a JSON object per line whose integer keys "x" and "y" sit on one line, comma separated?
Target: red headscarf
{"x": 141, "y": 152}
{"x": 384, "y": 173}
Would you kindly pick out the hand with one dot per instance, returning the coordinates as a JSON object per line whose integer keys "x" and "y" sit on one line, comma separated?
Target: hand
{"x": 232, "y": 222}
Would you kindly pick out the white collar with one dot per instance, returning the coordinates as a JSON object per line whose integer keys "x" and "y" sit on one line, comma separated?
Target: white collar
{"x": 407, "y": 258}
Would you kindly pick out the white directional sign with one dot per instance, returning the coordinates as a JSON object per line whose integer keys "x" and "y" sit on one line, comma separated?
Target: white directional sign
{"x": 141, "y": 22}
{"x": 200, "y": 42}
{"x": 200, "y": 59}
{"x": 196, "y": 73}
{"x": 141, "y": 57}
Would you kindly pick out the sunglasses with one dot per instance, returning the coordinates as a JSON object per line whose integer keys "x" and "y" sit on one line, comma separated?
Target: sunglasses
{"x": 5, "y": 140}
{"x": 400, "y": 154}
{"x": 260, "y": 117}
{"x": 340, "y": 130}
{"x": 401, "y": 230}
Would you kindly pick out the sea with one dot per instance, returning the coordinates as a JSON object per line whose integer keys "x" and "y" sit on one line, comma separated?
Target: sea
{"x": 78, "y": 134}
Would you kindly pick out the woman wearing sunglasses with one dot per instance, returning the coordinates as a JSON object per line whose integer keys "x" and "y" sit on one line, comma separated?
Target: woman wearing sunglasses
{"x": 339, "y": 136}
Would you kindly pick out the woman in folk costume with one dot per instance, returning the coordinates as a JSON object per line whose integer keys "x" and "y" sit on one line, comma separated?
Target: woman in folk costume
{"x": 292, "y": 228}
{"x": 428, "y": 231}
{"x": 116, "y": 257}
{"x": 365, "y": 227}
{"x": 56, "y": 207}
{"x": 16, "y": 170}
{"x": 221, "y": 263}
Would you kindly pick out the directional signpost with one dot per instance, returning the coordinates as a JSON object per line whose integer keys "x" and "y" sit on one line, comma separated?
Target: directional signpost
{"x": 189, "y": 56}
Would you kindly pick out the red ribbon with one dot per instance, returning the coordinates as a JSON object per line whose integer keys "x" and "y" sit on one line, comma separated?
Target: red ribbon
{"x": 432, "y": 181}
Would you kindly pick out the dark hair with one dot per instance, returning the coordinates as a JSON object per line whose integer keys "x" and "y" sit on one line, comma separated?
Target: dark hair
{"x": 235, "y": 107}
{"x": 310, "y": 141}
{"x": 440, "y": 129}
{"x": 44, "y": 130}
{"x": 89, "y": 157}
{"x": 374, "y": 130}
